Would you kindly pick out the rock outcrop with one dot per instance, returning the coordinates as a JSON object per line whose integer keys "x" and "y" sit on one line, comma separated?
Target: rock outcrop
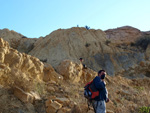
{"x": 71, "y": 71}
{"x": 23, "y": 76}
{"x": 50, "y": 74}
{"x": 18, "y": 69}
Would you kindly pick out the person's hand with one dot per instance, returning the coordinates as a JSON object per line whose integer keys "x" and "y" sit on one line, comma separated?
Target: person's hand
{"x": 103, "y": 81}
{"x": 107, "y": 100}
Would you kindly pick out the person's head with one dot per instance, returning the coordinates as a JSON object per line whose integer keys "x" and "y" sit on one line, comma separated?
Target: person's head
{"x": 81, "y": 59}
{"x": 102, "y": 74}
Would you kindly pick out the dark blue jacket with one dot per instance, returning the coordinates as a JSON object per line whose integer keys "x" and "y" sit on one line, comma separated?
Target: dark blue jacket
{"x": 100, "y": 85}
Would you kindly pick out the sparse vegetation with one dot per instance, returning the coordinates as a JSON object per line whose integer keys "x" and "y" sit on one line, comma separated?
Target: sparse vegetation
{"x": 147, "y": 74}
{"x": 139, "y": 88}
{"x": 144, "y": 109}
{"x": 115, "y": 103}
{"x": 39, "y": 87}
{"x": 132, "y": 44}
{"x": 142, "y": 42}
{"x": 107, "y": 42}
{"x": 43, "y": 60}
{"x": 24, "y": 37}
{"x": 87, "y": 45}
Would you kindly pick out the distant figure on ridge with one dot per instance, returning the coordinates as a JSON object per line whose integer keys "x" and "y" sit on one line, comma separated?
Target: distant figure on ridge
{"x": 83, "y": 65}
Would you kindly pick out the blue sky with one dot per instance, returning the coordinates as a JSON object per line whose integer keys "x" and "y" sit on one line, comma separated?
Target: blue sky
{"x": 35, "y": 18}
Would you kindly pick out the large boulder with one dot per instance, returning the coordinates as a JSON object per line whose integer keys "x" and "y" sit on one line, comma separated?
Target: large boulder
{"x": 52, "y": 106}
{"x": 23, "y": 96}
{"x": 50, "y": 74}
{"x": 70, "y": 70}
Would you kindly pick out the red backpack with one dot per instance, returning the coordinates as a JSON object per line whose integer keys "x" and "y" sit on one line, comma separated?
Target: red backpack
{"x": 90, "y": 91}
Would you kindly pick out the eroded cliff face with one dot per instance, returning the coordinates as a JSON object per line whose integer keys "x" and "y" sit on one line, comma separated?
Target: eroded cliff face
{"x": 69, "y": 44}
{"x": 110, "y": 50}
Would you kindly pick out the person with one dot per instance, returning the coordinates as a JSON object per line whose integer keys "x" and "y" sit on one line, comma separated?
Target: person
{"x": 99, "y": 103}
{"x": 83, "y": 65}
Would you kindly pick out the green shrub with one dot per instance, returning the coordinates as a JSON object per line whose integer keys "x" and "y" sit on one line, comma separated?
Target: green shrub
{"x": 87, "y": 45}
{"x": 139, "y": 88}
{"x": 24, "y": 37}
{"x": 144, "y": 109}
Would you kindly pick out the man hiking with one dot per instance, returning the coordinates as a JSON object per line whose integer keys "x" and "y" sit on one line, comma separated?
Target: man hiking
{"x": 99, "y": 103}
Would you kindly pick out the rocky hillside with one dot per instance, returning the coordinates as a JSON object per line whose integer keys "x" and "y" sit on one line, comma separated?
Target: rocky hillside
{"x": 98, "y": 48}
{"x": 28, "y": 85}
{"x": 111, "y": 50}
